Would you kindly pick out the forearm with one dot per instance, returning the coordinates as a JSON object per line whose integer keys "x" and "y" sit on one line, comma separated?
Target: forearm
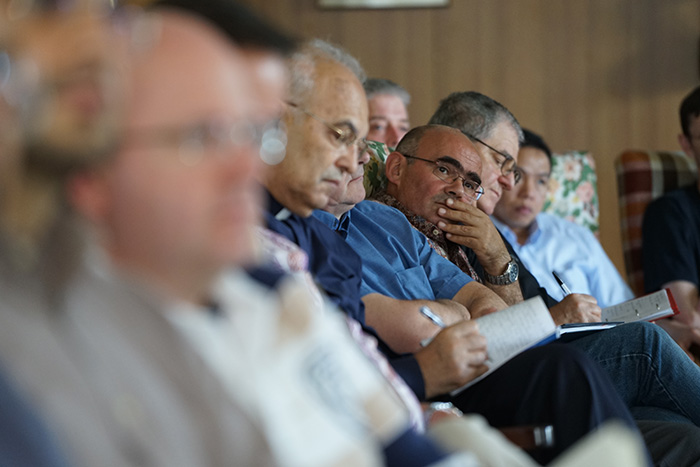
{"x": 401, "y": 326}
{"x": 479, "y": 299}
{"x": 510, "y": 294}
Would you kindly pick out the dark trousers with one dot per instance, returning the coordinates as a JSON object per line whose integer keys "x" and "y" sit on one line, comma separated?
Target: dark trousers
{"x": 550, "y": 385}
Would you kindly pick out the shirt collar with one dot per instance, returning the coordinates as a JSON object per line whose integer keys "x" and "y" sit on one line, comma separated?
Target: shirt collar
{"x": 534, "y": 232}
{"x": 341, "y": 225}
{"x": 424, "y": 226}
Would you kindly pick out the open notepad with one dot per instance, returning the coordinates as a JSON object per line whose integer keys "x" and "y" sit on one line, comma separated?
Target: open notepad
{"x": 651, "y": 307}
{"x": 656, "y": 305}
{"x": 508, "y": 332}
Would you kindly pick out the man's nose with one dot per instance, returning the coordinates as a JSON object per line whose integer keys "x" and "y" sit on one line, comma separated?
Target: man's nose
{"x": 507, "y": 181}
{"x": 242, "y": 163}
{"x": 456, "y": 188}
{"x": 526, "y": 187}
{"x": 348, "y": 161}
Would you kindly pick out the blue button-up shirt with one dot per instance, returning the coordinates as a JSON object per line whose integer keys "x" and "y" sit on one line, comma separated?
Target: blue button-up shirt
{"x": 397, "y": 260}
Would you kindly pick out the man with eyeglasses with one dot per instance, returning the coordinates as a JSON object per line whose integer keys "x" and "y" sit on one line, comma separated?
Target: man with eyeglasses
{"x": 496, "y": 134}
{"x": 639, "y": 352}
{"x": 168, "y": 360}
{"x": 421, "y": 199}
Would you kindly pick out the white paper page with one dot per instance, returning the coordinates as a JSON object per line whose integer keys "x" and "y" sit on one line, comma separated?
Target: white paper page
{"x": 508, "y": 332}
{"x": 648, "y": 308}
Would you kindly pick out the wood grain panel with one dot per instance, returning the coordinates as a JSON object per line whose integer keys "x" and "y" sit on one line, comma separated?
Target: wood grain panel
{"x": 602, "y": 75}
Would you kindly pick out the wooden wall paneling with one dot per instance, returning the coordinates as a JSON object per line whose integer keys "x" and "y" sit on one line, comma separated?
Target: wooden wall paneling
{"x": 603, "y": 75}
{"x": 616, "y": 78}
{"x": 457, "y": 42}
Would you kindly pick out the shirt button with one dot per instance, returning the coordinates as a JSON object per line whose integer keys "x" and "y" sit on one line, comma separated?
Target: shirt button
{"x": 436, "y": 232}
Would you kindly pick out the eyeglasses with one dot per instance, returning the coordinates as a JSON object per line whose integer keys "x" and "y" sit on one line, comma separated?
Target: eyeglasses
{"x": 448, "y": 174}
{"x": 346, "y": 136}
{"x": 507, "y": 165}
{"x": 216, "y": 137}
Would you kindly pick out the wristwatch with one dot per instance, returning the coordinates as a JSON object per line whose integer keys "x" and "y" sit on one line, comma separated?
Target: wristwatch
{"x": 508, "y": 277}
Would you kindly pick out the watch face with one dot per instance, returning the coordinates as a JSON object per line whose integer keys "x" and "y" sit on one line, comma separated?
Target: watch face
{"x": 508, "y": 277}
{"x": 513, "y": 271}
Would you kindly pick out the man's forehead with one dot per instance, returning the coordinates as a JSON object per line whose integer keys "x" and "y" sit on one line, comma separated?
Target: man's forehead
{"x": 200, "y": 66}
{"x": 504, "y": 138}
{"x": 339, "y": 96}
{"x": 389, "y": 100}
{"x": 439, "y": 143}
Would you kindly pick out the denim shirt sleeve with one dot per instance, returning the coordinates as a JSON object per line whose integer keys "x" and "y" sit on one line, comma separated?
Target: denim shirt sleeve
{"x": 397, "y": 260}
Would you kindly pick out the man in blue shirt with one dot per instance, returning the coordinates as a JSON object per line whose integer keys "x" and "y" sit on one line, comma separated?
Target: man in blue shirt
{"x": 547, "y": 243}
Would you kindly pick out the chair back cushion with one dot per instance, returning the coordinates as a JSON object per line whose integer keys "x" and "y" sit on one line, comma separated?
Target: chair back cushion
{"x": 375, "y": 178}
{"x": 643, "y": 176}
{"x": 573, "y": 189}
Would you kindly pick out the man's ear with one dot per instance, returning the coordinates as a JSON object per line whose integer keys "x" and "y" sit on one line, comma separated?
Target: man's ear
{"x": 88, "y": 194}
{"x": 394, "y": 166}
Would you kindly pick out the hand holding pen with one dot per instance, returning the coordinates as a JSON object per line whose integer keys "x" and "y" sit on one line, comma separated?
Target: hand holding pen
{"x": 456, "y": 355}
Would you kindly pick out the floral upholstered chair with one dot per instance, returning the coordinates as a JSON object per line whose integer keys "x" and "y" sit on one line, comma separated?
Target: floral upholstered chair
{"x": 643, "y": 176}
{"x": 573, "y": 189}
{"x": 375, "y": 179}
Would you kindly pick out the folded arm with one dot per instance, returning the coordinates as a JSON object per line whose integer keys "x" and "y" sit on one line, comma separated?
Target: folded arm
{"x": 479, "y": 300}
{"x": 401, "y": 326}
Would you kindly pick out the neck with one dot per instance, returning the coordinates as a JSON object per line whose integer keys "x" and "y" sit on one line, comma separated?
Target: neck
{"x": 522, "y": 234}
{"x": 339, "y": 209}
{"x": 285, "y": 199}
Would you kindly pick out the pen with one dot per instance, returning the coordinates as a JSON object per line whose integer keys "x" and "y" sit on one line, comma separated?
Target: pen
{"x": 428, "y": 313}
{"x": 562, "y": 284}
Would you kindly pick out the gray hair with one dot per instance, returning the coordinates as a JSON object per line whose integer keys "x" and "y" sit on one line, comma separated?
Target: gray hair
{"x": 474, "y": 114}
{"x": 375, "y": 86}
{"x": 302, "y": 66}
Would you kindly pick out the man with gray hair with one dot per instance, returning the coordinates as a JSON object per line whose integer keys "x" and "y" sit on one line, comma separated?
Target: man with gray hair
{"x": 497, "y": 135}
{"x": 325, "y": 83}
{"x": 388, "y": 114}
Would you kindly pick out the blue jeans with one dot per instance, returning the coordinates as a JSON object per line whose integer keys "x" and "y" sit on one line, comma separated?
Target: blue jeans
{"x": 648, "y": 369}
